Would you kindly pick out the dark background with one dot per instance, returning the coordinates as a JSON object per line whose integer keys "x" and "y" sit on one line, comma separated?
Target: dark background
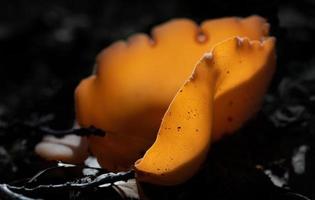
{"x": 47, "y": 47}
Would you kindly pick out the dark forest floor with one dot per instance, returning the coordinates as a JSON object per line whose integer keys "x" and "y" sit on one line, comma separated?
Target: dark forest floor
{"x": 46, "y": 48}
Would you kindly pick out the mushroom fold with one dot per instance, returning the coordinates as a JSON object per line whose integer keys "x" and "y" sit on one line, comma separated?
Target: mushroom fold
{"x": 245, "y": 68}
{"x": 184, "y": 136}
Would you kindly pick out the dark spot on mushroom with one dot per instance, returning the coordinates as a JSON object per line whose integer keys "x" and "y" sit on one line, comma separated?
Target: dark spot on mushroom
{"x": 197, "y": 130}
{"x": 201, "y": 37}
{"x": 230, "y": 119}
{"x": 152, "y": 42}
{"x": 181, "y": 90}
{"x": 228, "y": 71}
{"x": 178, "y": 128}
{"x": 158, "y": 169}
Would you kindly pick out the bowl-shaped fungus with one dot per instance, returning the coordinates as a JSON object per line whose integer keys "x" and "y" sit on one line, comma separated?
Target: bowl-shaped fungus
{"x": 138, "y": 82}
{"x": 135, "y": 82}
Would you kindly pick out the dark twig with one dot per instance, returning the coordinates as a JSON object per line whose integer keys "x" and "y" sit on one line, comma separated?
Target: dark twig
{"x": 107, "y": 178}
{"x": 298, "y": 196}
{"x": 120, "y": 191}
{"x": 79, "y": 131}
{"x": 17, "y": 192}
{"x": 59, "y": 166}
{"x": 34, "y": 178}
{"x": 6, "y": 193}
{"x": 288, "y": 193}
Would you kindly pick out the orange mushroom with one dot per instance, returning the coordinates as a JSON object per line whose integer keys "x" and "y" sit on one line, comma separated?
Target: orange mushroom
{"x": 184, "y": 136}
{"x": 136, "y": 81}
{"x": 245, "y": 68}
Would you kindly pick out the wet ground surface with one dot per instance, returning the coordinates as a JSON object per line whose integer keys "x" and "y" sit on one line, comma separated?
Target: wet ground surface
{"x": 46, "y": 48}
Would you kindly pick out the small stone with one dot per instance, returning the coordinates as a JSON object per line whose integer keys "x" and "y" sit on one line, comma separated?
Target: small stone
{"x": 70, "y": 149}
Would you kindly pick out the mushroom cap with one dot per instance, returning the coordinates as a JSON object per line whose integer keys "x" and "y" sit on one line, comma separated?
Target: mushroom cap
{"x": 135, "y": 81}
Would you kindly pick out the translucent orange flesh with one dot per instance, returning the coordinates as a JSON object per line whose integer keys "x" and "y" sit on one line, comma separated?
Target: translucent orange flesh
{"x": 135, "y": 82}
{"x": 184, "y": 136}
{"x": 188, "y": 125}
